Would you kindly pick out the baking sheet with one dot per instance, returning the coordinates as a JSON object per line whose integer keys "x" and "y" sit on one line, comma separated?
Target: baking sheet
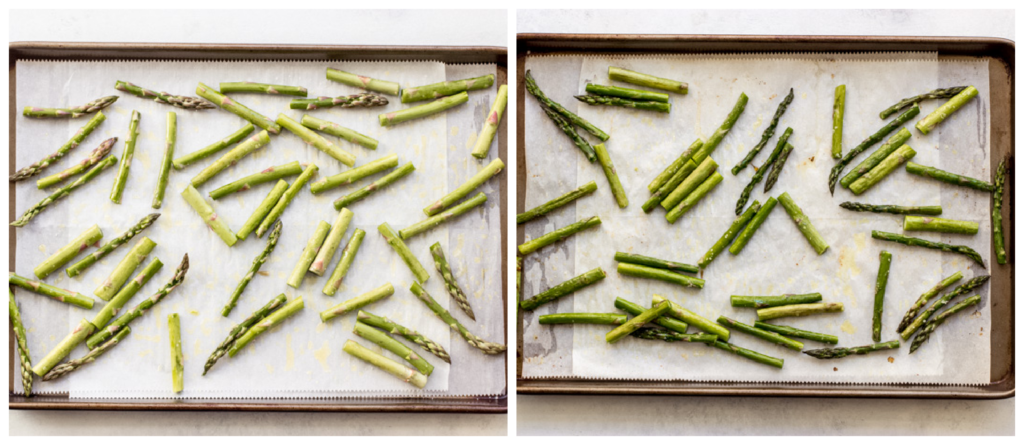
{"x": 778, "y": 260}
{"x": 302, "y": 357}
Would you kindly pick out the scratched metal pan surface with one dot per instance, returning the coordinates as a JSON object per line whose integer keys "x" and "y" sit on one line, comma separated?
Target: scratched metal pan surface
{"x": 1000, "y": 54}
{"x": 175, "y": 51}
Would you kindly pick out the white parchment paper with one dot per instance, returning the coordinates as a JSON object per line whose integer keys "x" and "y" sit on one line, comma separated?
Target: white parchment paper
{"x": 778, "y": 259}
{"x": 302, "y": 357}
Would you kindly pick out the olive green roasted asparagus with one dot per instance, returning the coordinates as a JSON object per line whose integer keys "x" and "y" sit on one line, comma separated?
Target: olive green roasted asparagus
{"x": 632, "y": 258}
{"x": 636, "y": 270}
{"x": 763, "y": 301}
{"x": 918, "y": 242}
{"x": 947, "y": 177}
{"x": 533, "y": 89}
{"x": 768, "y": 133}
{"x": 21, "y": 343}
{"x": 830, "y": 353}
{"x": 559, "y": 234}
{"x": 755, "y": 223}
{"x": 186, "y": 102}
{"x": 940, "y": 93}
{"x": 895, "y": 142}
{"x": 833, "y": 176}
{"x": 257, "y": 263}
{"x": 940, "y": 114}
{"x": 962, "y": 289}
{"x": 239, "y": 329}
{"x": 730, "y": 234}
{"x": 569, "y": 286}
{"x": 77, "y": 139}
{"x": 64, "y": 191}
{"x": 925, "y": 297}
{"x": 997, "y": 214}
{"x": 626, "y": 93}
{"x": 698, "y": 322}
{"x": 943, "y": 225}
{"x": 582, "y": 318}
{"x": 71, "y": 112}
{"x": 883, "y": 169}
{"x": 760, "y": 333}
{"x": 798, "y": 333}
{"x": 664, "y": 321}
{"x": 838, "y": 109}
{"x": 798, "y": 310}
{"x": 474, "y": 341}
{"x": 759, "y": 174}
{"x": 803, "y": 223}
{"x": 893, "y": 209}
{"x": 668, "y": 336}
{"x": 884, "y": 261}
{"x": 637, "y": 322}
{"x": 452, "y": 286}
{"x": 556, "y": 203}
{"x": 568, "y": 129}
{"x": 926, "y": 332}
{"x": 625, "y": 103}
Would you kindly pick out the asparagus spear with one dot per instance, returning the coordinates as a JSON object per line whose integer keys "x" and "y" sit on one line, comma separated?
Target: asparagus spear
{"x": 488, "y": 172}
{"x": 884, "y": 260}
{"x": 888, "y": 165}
{"x": 72, "y": 112}
{"x": 126, "y": 159}
{"x": 347, "y": 256}
{"x": 637, "y": 322}
{"x": 631, "y": 258}
{"x": 569, "y": 286}
{"x": 213, "y": 148}
{"x": 669, "y": 173}
{"x": 760, "y": 333}
{"x": 581, "y": 318}
{"x": 613, "y": 177}
{"x": 940, "y": 93}
{"x": 746, "y": 353}
{"x": 568, "y": 129}
{"x": 64, "y": 191}
{"x": 409, "y": 334}
{"x": 68, "y": 344}
{"x": 186, "y": 102}
{"x": 803, "y": 223}
{"x": 385, "y": 341}
{"x": 894, "y": 209}
{"x": 763, "y": 301}
{"x": 930, "y": 327}
{"x": 270, "y": 174}
{"x": 474, "y": 341}
{"x": 126, "y": 293}
{"x": 798, "y": 333}
{"x": 274, "y": 319}
{"x": 669, "y": 187}
{"x": 729, "y": 235}
{"x": 930, "y": 224}
{"x": 62, "y": 256}
{"x": 263, "y": 209}
{"x": 355, "y": 80}
{"x": 636, "y": 270}
{"x": 257, "y": 263}
{"x": 92, "y": 159}
{"x": 691, "y": 318}
{"x": 361, "y": 100}
{"x": 312, "y": 138}
{"x": 693, "y": 198}
{"x": 483, "y": 141}
{"x": 21, "y": 342}
{"x": 770, "y": 131}
{"x": 895, "y": 142}
{"x": 403, "y": 251}
{"x": 829, "y": 353}
{"x": 308, "y": 254}
{"x": 719, "y": 134}
{"x": 625, "y": 103}
{"x": 384, "y": 181}
{"x": 238, "y": 109}
{"x": 353, "y": 175}
{"x": 56, "y": 293}
{"x": 940, "y": 114}
{"x": 558, "y": 235}
{"x": 773, "y": 175}
{"x": 759, "y": 174}
{"x": 375, "y": 295}
{"x": 211, "y": 218}
{"x": 392, "y": 367}
{"x": 997, "y": 214}
{"x": 262, "y": 88}
{"x": 838, "y": 108}
{"x": 670, "y": 337}
{"x": 452, "y": 286}
{"x": 330, "y": 244}
{"x": 79, "y": 136}
{"x": 442, "y": 89}
{"x": 72, "y": 365}
{"x": 690, "y": 183}
{"x": 833, "y": 176}
{"x": 938, "y": 304}
{"x": 952, "y": 178}
{"x": 554, "y": 204}
{"x": 177, "y": 365}
{"x": 626, "y": 93}
{"x": 664, "y": 321}
{"x": 798, "y": 310}
{"x": 436, "y": 220}
{"x": 918, "y": 242}
{"x": 241, "y": 328}
{"x": 519, "y": 281}
{"x": 532, "y": 88}
{"x": 125, "y": 268}
{"x": 923, "y": 299}
{"x": 232, "y": 157}
{"x": 755, "y": 223}
{"x": 165, "y": 165}
{"x": 428, "y": 109}
{"x": 645, "y": 80}
{"x": 121, "y": 322}
{"x": 334, "y": 129}
{"x": 286, "y": 198}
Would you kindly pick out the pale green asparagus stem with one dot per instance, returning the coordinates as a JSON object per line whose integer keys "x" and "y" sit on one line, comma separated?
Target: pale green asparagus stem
{"x": 798, "y": 310}
{"x": 693, "y": 198}
{"x": 895, "y": 142}
{"x": 177, "y": 361}
{"x": 893, "y": 209}
{"x": 384, "y": 181}
{"x": 569, "y": 286}
{"x": 126, "y": 293}
{"x": 636, "y": 270}
{"x": 626, "y": 93}
{"x": 263, "y": 209}
{"x": 452, "y": 286}
{"x": 349, "y": 176}
{"x": 126, "y": 159}
{"x": 330, "y": 244}
{"x": 940, "y": 114}
{"x": 72, "y": 112}
{"x": 90, "y": 237}
{"x": 437, "y": 219}
{"x": 257, "y": 263}
{"x": 637, "y": 322}
{"x": 185, "y": 102}
{"x": 21, "y": 342}
{"x": 71, "y": 365}
{"x": 271, "y": 174}
{"x": 556, "y": 203}
{"x": 56, "y": 293}
{"x": 582, "y": 318}
{"x": 656, "y": 263}
{"x": 755, "y": 223}
{"x": 933, "y": 224}
{"x": 165, "y": 165}
{"x": 760, "y": 333}
{"x": 92, "y": 159}
{"x": 763, "y": 301}
{"x": 720, "y": 133}
{"x": 442, "y": 89}
{"x": 558, "y": 235}
{"x": 385, "y": 341}
{"x": 997, "y": 214}
{"x": 408, "y": 114}
{"x": 211, "y": 218}
{"x": 699, "y": 323}
{"x": 670, "y": 171}
{"x": 883, "y": 169}
{"x": 312, "y": 138}
{"x": 924, "y": 298}
{"x": 392, "y": 367}
{"x": 703, "y": 171}
{"x": 351, "y": 101}
{"x": 729, "y": 235}
{"x": 308, "y": 254}
{"x": 262, "y": 88}
{"x": 380, "y": 86}
{"x": 646, "y": 80}
{"x": 68, "y": 344}
{"x": 347, "y": 257}
{"x": 239, "y": 329}
{"x": 884, "y": 260}
{"x": 488, "y": 172}
{"x": 64, "y": 191}
{"x": 474, "y": 341}
{"x": 613, "y": 178}
{"x": 409, "y": 334}
{"x": 125, "y": 268}
{"x": 232, "y": 157}
{"x": 238, "y": 109}
{"x": 213, "y": 148}
{"x": 354, "y": 304}
{"x": 77, "y": 139}
{"x": 838, "y": 109}
{"x": 634, "y": 309}
{"x": 286, "y": 198}
{"x": 274, "y": 319}
{"x": 947, "y": 177}
{"x": 798, "y": 333}
{"x": 803, "y": 223}
{"x": 403, "y": 251}
{"x": 833, "y": 176}
{"x": 336, "y": 130}
{"x": 483, "y": 141}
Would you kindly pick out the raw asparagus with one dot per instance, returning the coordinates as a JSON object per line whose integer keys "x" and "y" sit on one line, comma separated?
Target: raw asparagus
{"x": 211, "y": 218}
{"x": 918, "y": 242}
{"x": 355, "y": 80}
{"x": 186, "y": 102}
{"x": 938, "y": 304}
{"x": 893, "y": 209}
{"x": 829, "y": 353}
{"x": 56, "y": 293}
{"x": 177, "y": 362}
{"x": 330, "y": 244}
{"x": 488, "y": 172}
{"x": 286, "y": 198}
{"x": 483, "y": 141}
{"x": 474, "y": 341}
{"x": 263, "y": 209}
{"x": 72, "y": 112}
{"x": 392, "y": 367}
{"x": 581, "y": 318}
{"x": 409, "y": 334}
{"x": 533, "y": 89}
{"x": 347, "y": 256}
{"x": 769, "y": 132}
{"x": 568, "y": 129}
{"x": 940, "y": 114}
{"x": 125, "y": 268}
{"x": 952, "y": 178}
{"x": 231, "y": 158}
{"x": 729, "y": 235}
{"x": 692, "y": 199}
{"x": 759, "y": 174}
{"x": 932, "y": 224}
{"x": 270, "y": 174}
{"x": 213, "y": 148}
{"x": 636, "y": 270}
{"x": 354, "y": 304}
{"x": 884, "y": 260}
{"x": 312, "y": 138}
{"x": 625, "y": 103}
{"x": 631, "y": 258}
{"x": 361, "y": 100}
{"x": 442, "y": 89}
{"x": 645, "y": 80}
{"x": 760, "y": 333}
{"x": 126, "y": 293}
{"x": 663, "y": 321}
{"x": 21, "y": 342}
{"x": 798, "y": 333}
{"x": 940, "y": 93}
{"x": 773, "y": 175}
{"x": 669, "y": 173}
{"x": 637, "y": 322}
{"x": 746, "y": 353}
{"x": 64, "y": 191}
{"x": 334, "y": 129}
{"x": 558, "y": 235}
{"x": 349, "y": 176}
{"x": 755, "y": 223}
{"x": 833, "y": 176}
{"x": 428, "y": 109}
{"x": 888, "y": 165}
{"x": 403, "y": 251}
{"x": 240, "y": 329}
{"x": 838, "y": 109}
{"x": 62, "y": 256}
{"x": 450, "y": 213}
{"x": 924, "y": 298}
{"x": 699, "y": 323}
{"x": 92, "y": 159}
{"x": 121, "y": 180}
{"x": 77, "y": 139}
{"x": 569, "y": 286}
{"x": 930, "y": 327}
{"x": 238, "y": 109}
{"x": 308, "y": 254}
{"x": 895, "y": 142}
{"x": 693, "y": 180}
{"x": 798, "y": 310}
{"x": 257, "y": 263}
{"x": 385, "y": 341}
{"x": 452, "y": 286}
{"x": 165, "y": 165}
{"x": 72, "y": 365}
{"x": 556, "y": 203}
{"x": 263, "y": 88}
{"x": 274, "y": 319}
{"x": 670, "y": 336}
{"x": 380, "y": 183}
{"x": 68, "y": 344}
{"x": 626, "y": 93}
{"x": 763, "y": 301}
{"x": 997, "y": 214}
{"x": 803, "y": 223}
{"x": 613, "y": 178}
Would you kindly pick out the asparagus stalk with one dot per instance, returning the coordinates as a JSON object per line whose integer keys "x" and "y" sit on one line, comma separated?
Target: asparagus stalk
{"x": 126, "y": 293}
{"x": 270, "y": 174}
{"x": 238, "y": 109}
{"x": 940, "y": 93}
{"x": 893, "y": 209}
{"x": 77, "y": 139}
{"x": 833, "y": 176}
{"x": 938, "y": 304}
{"x": 626, "y": 93}
{"x": 452, "y": 286}
{"x": 798, "y": 333}
{"x": 948, "y": 177}
{"x": 719, "y": 134}
{"x": 213, "y": 148}
{"x": 631, "y": 258}
{"x": 355, "y": 80}
{"x": 263, "y": 209}
{"x": 121, "y": 322}
{"x": 519, "y": 281}
{"x": 645, "y": 80}
{"x": 68, "y": 344}
{"x": 636, "y": 270}
{"x": 392, "y": 367}
{"x": 729, "y": 235}
{"x": 353, "y": 175}
{"x": 997, "y": 214}
{"x": 798, "y": 310}
{"x": 72, "y": 112}
{"x": 121, "y": 180}
{"x": 669, "y": 173}
{"x": 838, "y": 108}
{"x": 932, "y": 325}
{"x": 582, "y": 318}
{"x": 21, "y": 342}
{"x": 312, "y": 138}
{"x": 72, "y": 365}
{"x": 442, "y": 89}
{"x": 274, "y": 319}
{"x": 385, "y": 341}
{"x": 474, "y": 341}
{"x": 924, "y": 298}
{"x": 690, "y": 183}
{"x": 186, "y": 102}
{"x": 918, "y": 242}
{"x": 888, "y": 165}
{"x": 409, "y": 334}
{"x": 403, "y": 251}
{"x": 326, "y": 252}
{"x": 92, "y": 159}
{"x": 770, "y": 131}
{"x": 347, "y": 256}
{"x": 760, "y": 333}
{"x": 569, "y": 286}
{"x": 361, "y": 100}
{"x": 803, "y": 223}
{"x": 231, "y": 158}
{"x": 895, "y": 142}
{"x": 286, "y": 198}
{"x": 664, "y": 321}
{"x": 211, "y": 218}
{"x": 533, "y": 89}
{"x": 691, "y": 318}
{"x": 625, "y": 103}
{"x": 693, "y": 198}
{"x": 773, "y": 175}
{"x": 755, "y": 223}
{"x": 940, "y": 114}
{"x": 483, "y": 141}
{"x": 64, "y": 191}
{"x": 488, "y": 172}
{"x": 177, "y": 362}
{"x": 558, "y": 235}
{"x": 436, "y": 220}
{"x": 380, "y": 183}
{"x": 556, "y": 203}
{"x": 336, "y": 130}
{"x": 613, "y": 178}
{"x": 930, "y": 224}
{"x": 759, "y": 174}
{"x": 257, "y": 263}
{"x": 763, "y": 301}
{"x": 884, "y": 260}
{"x": 428, "y": 109}
{"x": 125, "y": 268}
{"x": 746, "y": 353}
{"x": 829, "y": 353}
{"x": 637, "y": 322}
{"x": 261, "y": 88}
{"x": 241, "y": 328}
{"x": 62, "y": 256}
{"x": 308, "y": 254}
{"x": 165, "y": 165}
{"x": 568, "y": 129}
{"x": 354, "y": 304}
{"x": 670, "y": 337}
{"x": 674, "y": 186}
{"x": 56, "y": 293}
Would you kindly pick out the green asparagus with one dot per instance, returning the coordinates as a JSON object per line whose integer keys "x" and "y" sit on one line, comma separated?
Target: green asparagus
{"x": 556, "y": 235}
{"x": 211, "y": 218}
{"x": 312, "y": 138}
{"x": 64, "y": 348}
{"x": 308, "y": 254}
{"x": 952, "y": 178}
{"x": 264, "y": 88}
{"x": 773, "y": 175}
{"x": 798, "y": 333}
{"x": 286, "y": 198}
{"x": 940, "y": 114}
{"x": 72, "y": 112}
{"x": 92, "y": 159}
{"x": 442, "y": 89}
{"x": 803, "y": 223}
{"x": 64, "y": 191}
{"x": 403, "y": 251}
{"x": 126, "y": 293}
{"x": 483, "y": 141}
{"x": 884, "y": 260}
{"x": 336, "y": 130}
{"x": 569, "y": 286}
{"x": 452, "y": 286}
{"x": 361, "y": 100}
{"x": 918, "y": 242}
{"x": 932, "y": 325}
{"x": 760, "y": 333}
{"x": 625, "y": 103}
{"x": 755, "y": 223}
{"x": 56, "y": 293}
{"x": 637, "y": 322}
{"x": 729, "y": 235}
{"x": 895, "y": 142}
{"x": 556, "y": 203}
{"x": 257, "y": 263}
{"x": 71, "y": 365}
{"x": 267, "y": 175}
{"x": 165, "y": 165}
{"x": 125, "y": 268}
{"x": 238, "y": 109}
{"x": 763, "y": 301}
{"x": 568, "y": 129}
{"x": 177, "y": 361}
{"x": 263, "y": 209}
{"x": 488, "y": 172}
{"x": 353, "y": 175}
{"x": 888, "y": 165}
{"x": 347, "y": 257}
{"x": 693, "y": 198}
{"x": 940, "y": 93}
{"x": 90, "y": 237}
{"x": 759, "y": 174}
{"x": 232, "y": 157}
{"x": 692, "y": 181}
{"x": 768, "y": 133}
{"x": 699, "y": 323}
{"x": 746, "y": 353}
{"x": 186, "y": 102}
{"x": 581, "y": 318}
{"x": 631, "y": 258}
{"x": 829, "y": 353}
{"x": 392, "y": 367}
{"x": 409, "y": 334}
{"x": 924, "y": 298}
{"x": 645, "y": 80}
{"x": 893, "y": 209}
{"x": 533, "y": 89}
{"x": 354, "y": 304}
{"x": 997, "y": 214}
{"x": 636, "y": 270}
{"x": 77, "y": 139}
{"x": 450, "y": 213}
{"x": 474, "y": 341}
{"x": 239, "y": 329}
{"x": 931, "y": 224}
{"x": 274, "y": 319}
{"x": 121, "y": 180}
{"x": 213, "y": 148}
{"x": 385, "y": 341}
{"x": 665, "y": 321}
{"x": 798, "y": 310}
{"x": 330, "y": 244}
{"x": 626, "y": 93}
{"x": 355, "y": 80}
{"x": 838, "y": 109}
{"x": 833, "y": 176}
{"x": 21, "y": 343}
{"x": 670, "y": 336}
{"x": 938, "y": 304}
{"x": 428, "y": 109}
{"x": 380, "y": 183}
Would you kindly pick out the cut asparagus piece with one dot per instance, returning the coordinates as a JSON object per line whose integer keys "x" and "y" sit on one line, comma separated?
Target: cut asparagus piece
{"x": 763, "y": 301}
{"x": 232, "y": 157}
{"x": 940, "y": 93}
{"x": 474, "y": 341}
{"x": 428, "y": 109}
{"x": 940, "y": 114}
{"x": 364, "y": 100}
{"x": 755, "y": 223}
{"x": 729, "y": 235}
{"x": 355, "y": 80}
{"x": 670, "y": 171}
{"x": 238, "y": 109}
{"x": 448, "y": 88}
{"x": 533, "y": 89}
{"x": 392, "y": 367}
{"x": 286, "y": 198}
{"x": 692, "y": 181}
{"x": 384, "y": 181}
{"x": 71, "y": 112}
{"x": 64, "y": 191}
{"x": 240, "y": 329}
{"x": 409, "y": 334}
{"x": 462, "y": 191}
{"x": 663, "y": 321}
{"x": 336, "y": 130}
{"x": 117, "y": 192}
{"x": 830, "y": 353}
{"x": 838, "y": 109}
{"x": 631, "y": 258}
{"x": 997, "y": 214}
{"x": 637, "y": 322}
{"x": 746, "y": 353}
{"x": 581, "y": 318}
{"x": 452, "y": 286}
{"x": 80, "y": 135}
{"x": 759, "y": 174}
{"x": 56, "y": 293}
{"x": 483, "y": 141}
{"x": 893, "y": 209}
{"x": 270, "y": 174}
{"x": 436, "y": 220}
{"x": 330, "y": 244}
{"x": 569, "y": 286}
{"x": 932, "y": 325}
{"x": 760, "y": 333}
{"x": 556, "y": 235}
{"x": 671, "y": 185}
{"x": 274, "y": 319}
{"x": 943, "y": 225}
{"x": 924, "y": 298}
{"x": 626, "y": 93}
{"x": 68, "y": 344}
{"x": 21, "y": 343}
{"x": 918, "y": 242}
{"x": 833, "y": 176}
{"x": 403, "y": 251}
{"x": 773, "y": 175}
{"x": 354, "y": 304}
{"x": 938, "y": 304}
{"x": 613, "y": 178}
{"x": 177, "y": 361}
{"x": 257, "y": 263}
{"x": 211, "y": 218}
{"x": 308, "y": 254}
{"x": 92, "y": 159}
{"x": 798, "y": 310}
{"x": 125, "y": 268}
{"x": 72, "y": 365}
{"x": 569, "y": 131}
{"x": 803, "y": 223}
{"x": 261, "y": 88}
{"x": 884, "y": 261}
{"x": 90, "y": 237}
{"x": 353, "y": 175}
{"x": 635, "y": 270}
{"x": 699, "y": 323}
{"x": 646, "y": 80}
{"x": 692, "y": 199}
{"x": 888, "y": 165}
{"x": 186, "y": 102}
{"x": 213, "y": 148}
{"x": 769, "y": 132}
{"x": 126, "y": 293}
{"x": 798, "y": 333}
{"x": 895, "y": 142}
{"x": 263, "y": 209}
{"x": 312, "y": 138}
{"x": 385, "y": 341}
{"x": 951, "y": 178}
{"x": 719, "y": 134}
{"x": 625, "y": 103}
{"x": 556, "y": 203}
{"x": 165, "y": 165}
{"x": 668, "y": 336}
{"x": 347, "y": 256}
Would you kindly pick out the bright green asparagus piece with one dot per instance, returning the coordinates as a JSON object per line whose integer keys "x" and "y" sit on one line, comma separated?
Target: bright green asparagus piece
{"x": 486, "y": 173}
{"x": 474, "y": 341}
{"x": 769, "y": 132}
{"x": 729, "y": 235}
{"x": 70, "y": 366}
{"x": 631, "y": 258}
{"x": 165, "y": 165}
{"x": 286, "y": 198}
{"x": 403, "y": 251}
{"x": 833, "y": 176}
{"x": 952, "y": 178}
{"x": 336, "y": 130}
{"x": 56, "y": 293}
{"x": 625, "y": 103}
{"x": 556, "y": 203}
{"x": 759, "y": 174}
{"x": 803, "y": 223}
{"x": 746, "y": 353}
{"x": 308, "y": 254}
{"x": 232, "y": 157}
{"x": 755, "y": 223}
{"x": 238, "y": 109}
{"x": 330, "y": 244}
{"x": 671, "y": 337}
{"x": 693, "y": 180}
{"x": 355, "y": 80}
{"x": 92, "y": 159}
{"x": 186, "y": 102}
{"x": 213, "y": 148}
{"x": 385, "y": 341}
{"x": 763, "y": 301}
{"x": 349, "y": 176}
{"x": 693, "y": 198}
{"x": 699, "y": 323}
{"x": 884, "y": 260}
{"x": 117, "y": 192}
{"x": 239, "y": 329}
{"x": 582, "y": 318}
{"x": 613, "y": 178}
{"x": 380, "y": 183}
{"x": 177, "y": 362}
{"x": 645, "y": 80}
{"x": 940, "y": 114}
{"x": 90, "y": 237}
{"x": 798, "y": 333}
{"x": 895, "y": 142}
{"x": 72, "y": 112}
{"x": 263, "y": 209}
{"x": 997, "y": 214}
{"x": 392, "y": 367}
{"x": 932, "y": 325}
{"x": 940, "y": 93}
{"x": 636, "y": 270}
{"x": 409, "y": 334}
{"x": 838, "y": 109}
{"x": 21, "y": 342}
{"x": 637, "y": 322}
{"x": 126, "y": 293}
{"x": 263, "y": 88}
{"x": 257, "y": 263}
{"x": 354, "y": 304}
{"x": 452, "y": 286}
{"x": 663, "y": 321}
{"x": 893, "y": 209}
{"x": 556, "y": 235}
{"x": 442, "y": 89}
{"x": 274, "y": 319}
{"x": 77, "y": 139}
{"x": 962, "y": 289}
{"x": 568, "y": 129}
{"x": 68, "y": 344}
{"x": 798, "y": 310}
{"x": 773, "y": 175}
{"x": 719, "y": 134}
{"x": 924, "y": 298}
{"x": 830, "y": 353}
{"x": 918, "y": 242}
{"x": 364, "y": 100}
{"x": 569, "y": 286}
{"x": 483, "y": 141}
{"x": 573, "y": 119}
{"x": 437, "y": 219}
{"x": 428, "y": 109}
{"x": 64, "y": 191}
{"x": 347, "y": 257}
{"x": 657, "y": 185}
{"x": 312, "y": 138}
{"x": 626, "y": 93}
{"x": 932, "y": 224}
{"x": 760, "y": 333}
{"x": 270, "y": 174}
{"x": 883, "y": 169}
{"x": 125, "y": 268}
{"x": 211, "y": 218}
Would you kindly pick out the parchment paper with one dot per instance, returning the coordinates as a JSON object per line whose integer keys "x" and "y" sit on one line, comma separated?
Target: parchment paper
{"x": 778, "y": 259}
{"x": 302, "y": 357}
